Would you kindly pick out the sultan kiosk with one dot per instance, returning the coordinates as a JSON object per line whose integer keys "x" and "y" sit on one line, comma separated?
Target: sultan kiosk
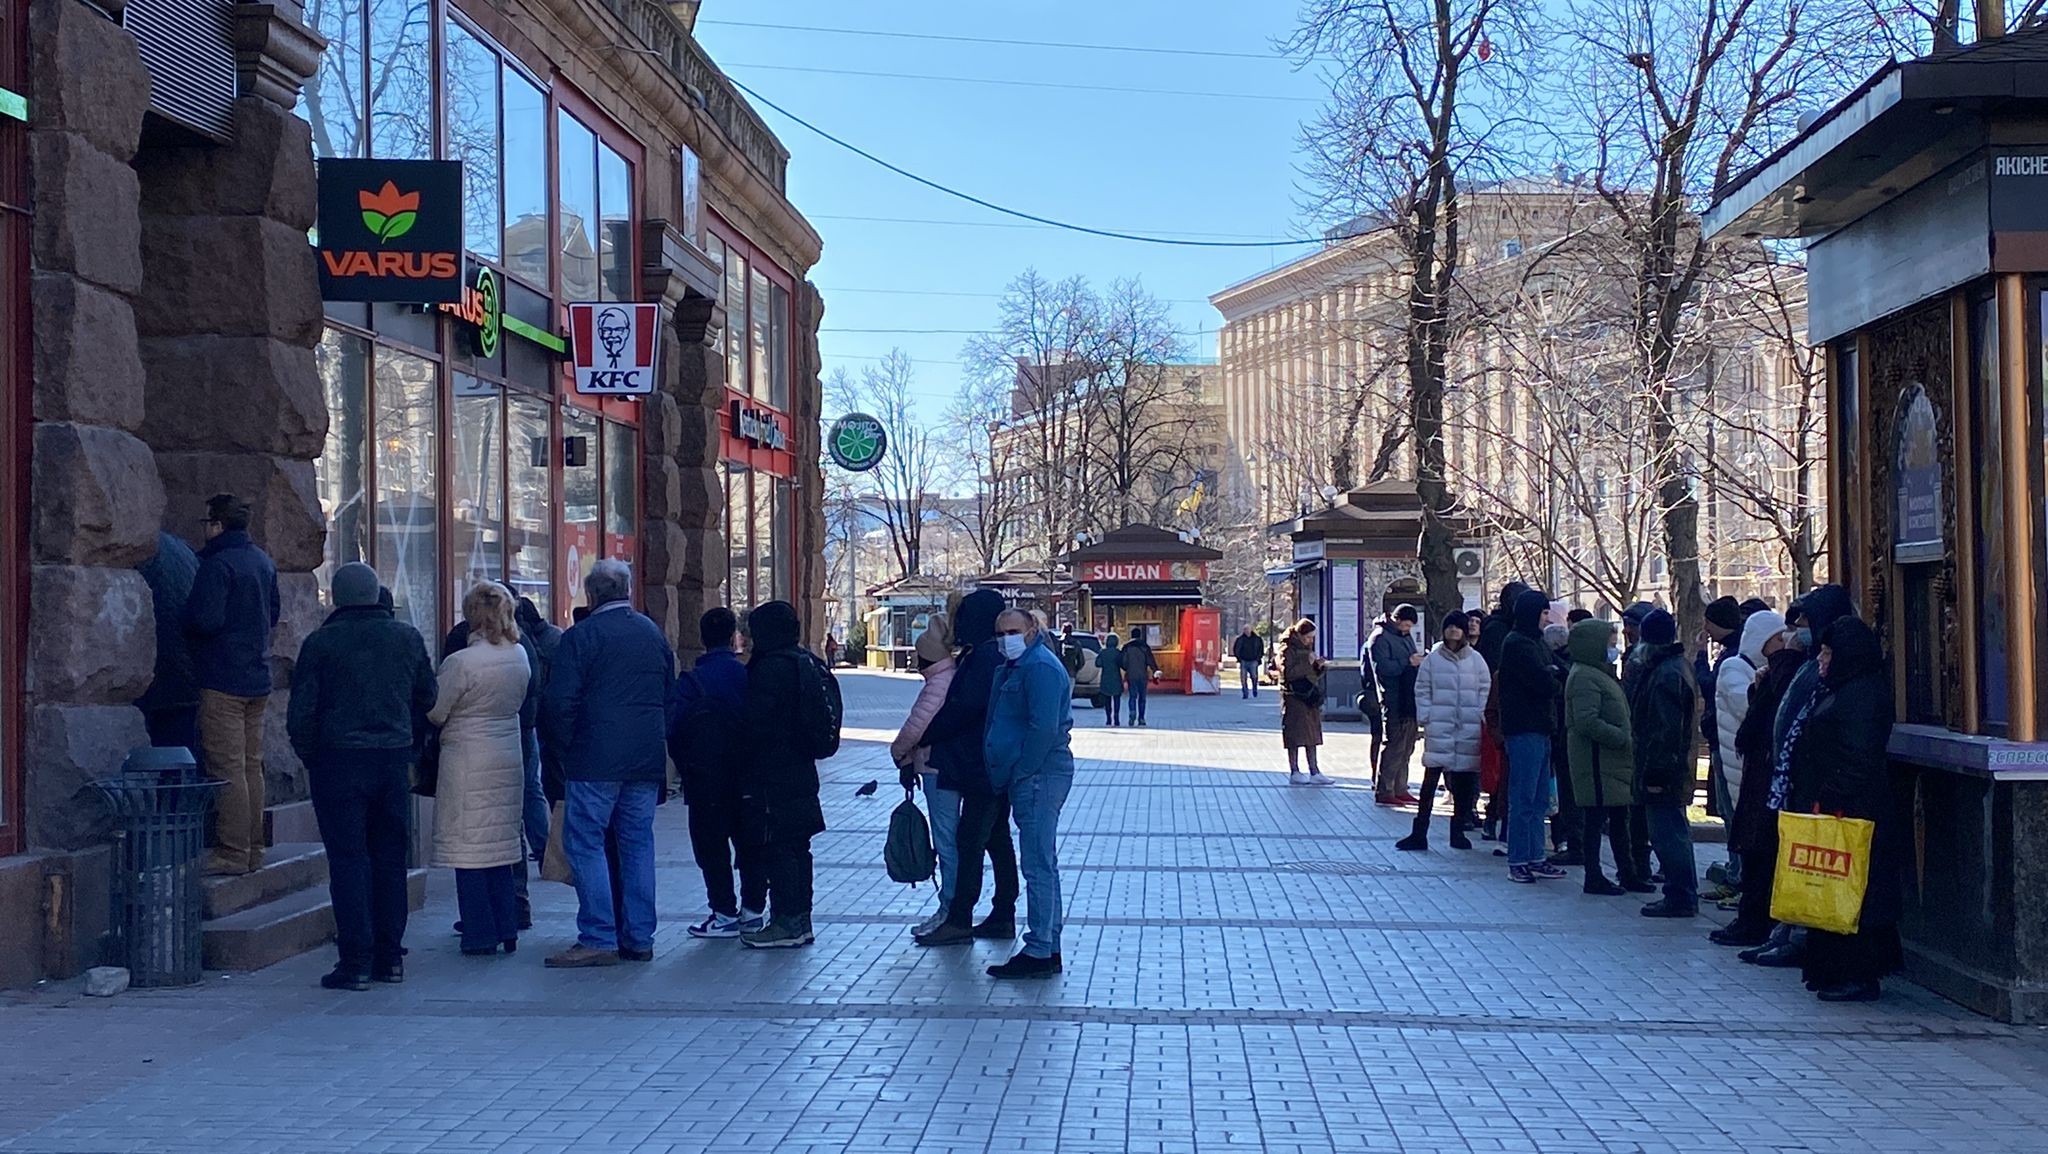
{"x": 1924, "y": 198}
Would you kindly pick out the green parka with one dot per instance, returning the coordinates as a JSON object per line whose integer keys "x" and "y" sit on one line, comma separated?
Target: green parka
{"x": 1596, "y": 721}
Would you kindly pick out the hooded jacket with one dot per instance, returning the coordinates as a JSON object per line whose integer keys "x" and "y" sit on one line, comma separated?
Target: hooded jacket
{"x": 1664, "y": 715}
{"x": 779, "y": 792}
{"x": 938, "y": 678}
{"x": 1839, "y": 764}
{"x": 957, "y": 729}
{"x": 1493, "y": 631}
{"x": 1450, "y": 702}
{"x": 170, "y": 575}
{"x": 363, "y": 683}
{"x": 1820, "y": 608}
{"x": 1527, "y": 682}
{"x": 1759, "y": 749}
{"x": 1732, "y": 682}
{"x": 1599, "y": 739}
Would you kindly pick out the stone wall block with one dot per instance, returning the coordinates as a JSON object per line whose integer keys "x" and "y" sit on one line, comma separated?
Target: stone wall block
{"x": 97, "y": 499}
{"x": 266, "y": 171}
{"x": 242, "y": 394}
{"x": 87, "y": 76}
{"x": 67, "y": 748}
{"x": 233, "y": 275}
{"x": 660, "y": 604}
{"x": 664, "y": 553}
{"x": 284, "y": 775}
{"x": 299, "y": 613}
{"x": 664, "y": 485}
{"x": 86, "y": 217}
{"x": 660, "y": 433}
{"x": 86, "y": 369}
{"x": 287, "y": 521}
{"x": 104, "y": 653}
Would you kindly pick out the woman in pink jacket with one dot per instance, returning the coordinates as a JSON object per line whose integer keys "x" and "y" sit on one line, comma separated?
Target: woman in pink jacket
{"x": 935, "y": 661}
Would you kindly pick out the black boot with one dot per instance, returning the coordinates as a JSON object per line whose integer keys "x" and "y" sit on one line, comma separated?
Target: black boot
{"x": 1419, "y": 840}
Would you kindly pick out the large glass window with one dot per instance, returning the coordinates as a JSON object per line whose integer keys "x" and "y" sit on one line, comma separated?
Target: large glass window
{"x": 615, "y": 203}
{"x": 738, "y": 528}
{"x": 621, "y": 491}
{"x": 778, "y": 348}
{"x": 764, "y": 538}
{"x": 1987, "y": 432}
{"x": 577, "y": 186}
{"x": 735, "y": 321}
{"x": 408, "y": 503}
{"x": 531, "y": 523}
{"x": 333, "y": 99}
{"x": 343, "y": 361}
{"x": 477, "y": 484}
{"x": 757, "y": 332}
{"x": 582, "y": 546}
{"x": 401, "y": 79}
{"x": 471, "y": 89}
{"x": 781, "y": 549}
{"x": 525, "y": 126}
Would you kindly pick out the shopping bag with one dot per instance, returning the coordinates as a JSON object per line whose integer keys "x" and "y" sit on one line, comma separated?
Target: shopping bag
{"x": 1493, "y": 763}
{"x": 554, "y": 864}
{"x": 1823, "y": 868}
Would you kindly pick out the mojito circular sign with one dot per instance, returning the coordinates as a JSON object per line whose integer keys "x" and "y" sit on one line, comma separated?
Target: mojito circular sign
{"x": 857, "y": 442}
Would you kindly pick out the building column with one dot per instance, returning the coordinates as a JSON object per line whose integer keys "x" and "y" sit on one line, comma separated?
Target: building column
{"x": 683, "y": 529}
{"x": 807, "y": 406}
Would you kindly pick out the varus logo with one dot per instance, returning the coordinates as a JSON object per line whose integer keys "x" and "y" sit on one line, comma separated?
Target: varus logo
{"x": 1816, "y": 859}
{"x": 391, "y": 230}
{"x": 388, "y": 212}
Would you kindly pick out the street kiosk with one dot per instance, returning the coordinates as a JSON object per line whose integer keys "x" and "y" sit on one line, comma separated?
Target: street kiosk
{"x": 1147, "y": 578}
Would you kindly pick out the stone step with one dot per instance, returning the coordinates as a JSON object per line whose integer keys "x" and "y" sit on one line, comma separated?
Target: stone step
{"x": 287, "y": 868}
{"x": 284, "y": 927}
{"x": 292, "y": 821}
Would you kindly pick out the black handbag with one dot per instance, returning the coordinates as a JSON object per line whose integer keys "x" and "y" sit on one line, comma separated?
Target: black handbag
{"x": 426, "y": 772}
{"x": 1307, "y": 691}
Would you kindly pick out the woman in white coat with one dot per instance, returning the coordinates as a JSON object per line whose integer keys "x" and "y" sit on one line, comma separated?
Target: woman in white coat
{"x": 482, "y": 789}
{"x": 1451, "y": 688}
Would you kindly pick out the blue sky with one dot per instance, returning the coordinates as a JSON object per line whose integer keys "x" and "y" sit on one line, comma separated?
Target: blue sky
{"x": 1162, "y": 164}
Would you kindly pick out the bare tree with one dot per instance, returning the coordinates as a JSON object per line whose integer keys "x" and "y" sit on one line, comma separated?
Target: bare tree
{"x": 904, "y": 487}
{"x": 1141, "y": 425}
{"x": 981, "y": 467}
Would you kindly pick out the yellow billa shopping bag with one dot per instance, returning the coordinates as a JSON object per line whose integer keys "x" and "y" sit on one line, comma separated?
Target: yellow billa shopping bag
{"x": 1823, "y": 867}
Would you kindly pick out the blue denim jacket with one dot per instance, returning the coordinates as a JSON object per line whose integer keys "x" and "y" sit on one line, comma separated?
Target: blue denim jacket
{"x": 1030, "y": 714}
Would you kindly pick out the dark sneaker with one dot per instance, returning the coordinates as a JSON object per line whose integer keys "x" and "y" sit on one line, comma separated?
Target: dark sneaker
{"x": 340, "y": 979}
{"x": 1568, "y": 857}
{"x": 949, "y": 934}
{"x": 1460, "y": 841}
{"x": 1851, "y": 992}
{"x": 779, "y": 936}
{"x": 509, "y": 945}
{"x": 1739, "y": 936}
{"x": 996, "y": 929}
{"x": 390, "y": 975}
{"x": 1776, "y": 957}
{"x": 1601, "y": 887}
{"x": 1544, "y": 871}
{"x": 1665, "y": 909}
{"x": 630, "y": 954}
{"x": 1520, "y": 875}
{"x": 719, "y": 925}
{"x": 580, "y": 956}
{"x": 1413, "y": 842}
{"x": 1026, "y": 966}
{"x": 1639, "y": 887}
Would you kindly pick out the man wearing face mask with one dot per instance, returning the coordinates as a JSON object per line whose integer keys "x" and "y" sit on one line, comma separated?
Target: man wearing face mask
{"x": 1030, "y": 716}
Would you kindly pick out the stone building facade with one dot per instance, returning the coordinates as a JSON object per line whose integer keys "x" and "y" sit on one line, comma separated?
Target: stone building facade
{"x": 164, "y": 338}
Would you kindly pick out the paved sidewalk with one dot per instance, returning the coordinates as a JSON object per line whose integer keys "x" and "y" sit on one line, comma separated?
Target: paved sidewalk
{"x": 1250, "y": 967}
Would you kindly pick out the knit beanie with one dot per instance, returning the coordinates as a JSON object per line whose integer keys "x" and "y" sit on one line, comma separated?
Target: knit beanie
{"x": 1660, "y": 628}
{"x": 354, "y": 584}
{"x": 1457, "y": 621}
{"x": 1725, "y": 613}
{"x": 935, "y": 644}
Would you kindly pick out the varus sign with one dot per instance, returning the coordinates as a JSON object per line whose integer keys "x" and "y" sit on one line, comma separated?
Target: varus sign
{"x": 391, "y": 230}
{"x": 1154, "y": 571}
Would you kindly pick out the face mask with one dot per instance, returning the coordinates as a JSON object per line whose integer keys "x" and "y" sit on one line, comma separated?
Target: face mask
{"x": 1012, "y": 645}
{"x": 1805, "y": 638}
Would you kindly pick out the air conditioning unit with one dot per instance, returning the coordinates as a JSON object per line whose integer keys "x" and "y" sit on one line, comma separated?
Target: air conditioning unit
{"x": 1470, "y": 561}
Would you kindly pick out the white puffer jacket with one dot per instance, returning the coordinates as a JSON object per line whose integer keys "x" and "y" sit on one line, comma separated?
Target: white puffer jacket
{"x": 482, "y": 791}
{"x": 1450, "y": 702}
{"x": 1731, "y": 691}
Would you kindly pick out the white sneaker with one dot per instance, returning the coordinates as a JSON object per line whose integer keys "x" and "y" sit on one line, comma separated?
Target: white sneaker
{"x": 753, "y": 921}
{"x": 929, "y": 924}
{"x": 1296, "y": 777}
{"x": 717, "y": 925}
{"x": 1316, "y": 777}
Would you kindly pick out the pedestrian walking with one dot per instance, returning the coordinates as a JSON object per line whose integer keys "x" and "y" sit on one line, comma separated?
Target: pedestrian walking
{"x": 1029, "y": 758}
{"x": 1451, "y": 687}
{"x": 913, "y": 759}
{"x": 957, "y": 737}
{"x": 1111, "y": 662}
{"x": 705, "y": 742}
{"x": 1249, "y": 653}
{"x": 481, "y": 789}
{"x": 1301, "y": 702}
{"x": 1395, "y": 660}
{"x": 1140, "y": 667}
{"x": 228, "y": 620}
{"x": 1767, "y": 667}
{"x": 605, "y": 717}
{"x": 1838, "y": 765}
{"x": 787, "y": 688}
{"x": 1527, "y": 689}
{"x": 831, "y": 650}
{"x": 1664, "y": 718}
{"x": 361, "y": 692}
{"x": 170, "y": 706}
{"x": 1601, "y": 753}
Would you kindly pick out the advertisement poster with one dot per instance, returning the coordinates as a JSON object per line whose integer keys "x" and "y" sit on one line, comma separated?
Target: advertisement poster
{"x": 1201, "y": 638}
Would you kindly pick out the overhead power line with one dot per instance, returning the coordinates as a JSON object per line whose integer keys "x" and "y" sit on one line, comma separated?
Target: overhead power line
{"x": 1145, "y": 49}
{"x": 970, "y": 198}
{"x": 1029, "y": 83}
{"x": 976, "y": 295}
{"x": 1003, "y": 224}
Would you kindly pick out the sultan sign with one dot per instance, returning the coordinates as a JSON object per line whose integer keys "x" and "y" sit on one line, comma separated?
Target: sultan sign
{"x": 1143, "y": 571}
{"x": 391, "y": 230}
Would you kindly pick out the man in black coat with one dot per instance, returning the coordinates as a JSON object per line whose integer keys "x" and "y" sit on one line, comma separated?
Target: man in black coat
{"x": 1493, "y": 632}
{"x": 779, "y": 793}
{"x": 1248, "y": 651}
{"x": 228, "y": 619}
{"x": 1395, "y": 660}
{"x": 357, "y": 717}
{"x": 1525, "y": 686}
{"x": 1664, "y": 714}
{"x": 956, "y": 738}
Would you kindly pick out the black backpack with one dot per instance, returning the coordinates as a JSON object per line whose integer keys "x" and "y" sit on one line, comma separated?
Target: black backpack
{"x": 819, "y": 709}
{"x": 908, "y": 852}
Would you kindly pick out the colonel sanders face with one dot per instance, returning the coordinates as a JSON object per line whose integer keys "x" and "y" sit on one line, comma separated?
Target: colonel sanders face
{"x": 611, "y": 333}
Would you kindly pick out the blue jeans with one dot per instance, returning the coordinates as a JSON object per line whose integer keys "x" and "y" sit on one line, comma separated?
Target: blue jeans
{"x": 1671, "y": 834}
{"x": 944, "y": 805}
{"x": 626, "y": 808}
{"x": 535, "y": 814}
{"x": 1035, "y": 802}
{"x": 1137, "y": 696}
{"x": 1248, "y": 678}
{"x": 1528, "y": 796}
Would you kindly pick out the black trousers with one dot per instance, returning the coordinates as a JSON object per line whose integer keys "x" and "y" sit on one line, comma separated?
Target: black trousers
{"x": 713, "y": 841}
{"x": 787, "y": 862}
{"x": 1639, "y": 839}
{"x": 1759, "y": 870}
{"x": 1567, "y": 825}
{"x": 1464, "y": 789}
{"x": 985, "y": 828}
{"x": 490, "y": 912}
{"x": 1615, "y": 820}
{"x": 364, "y": 805}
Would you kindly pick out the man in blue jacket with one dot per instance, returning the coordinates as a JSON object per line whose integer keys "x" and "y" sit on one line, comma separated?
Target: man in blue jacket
{"x": 704, "y": 720}
{"x": 604, "y": 719}
{"x": 229, "y": 617}
{"x": 1030, "y": 717}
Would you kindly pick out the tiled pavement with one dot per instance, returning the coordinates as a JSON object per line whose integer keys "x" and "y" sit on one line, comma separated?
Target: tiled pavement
{"x": 1249, "y": 967}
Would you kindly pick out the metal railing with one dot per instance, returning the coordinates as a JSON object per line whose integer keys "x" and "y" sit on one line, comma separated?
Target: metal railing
{"x": 666, "y": 40}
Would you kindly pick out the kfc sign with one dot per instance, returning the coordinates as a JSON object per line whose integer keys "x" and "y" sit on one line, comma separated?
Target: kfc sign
{"x": 1143, "y": 571}
{"x": 612, "y": 345}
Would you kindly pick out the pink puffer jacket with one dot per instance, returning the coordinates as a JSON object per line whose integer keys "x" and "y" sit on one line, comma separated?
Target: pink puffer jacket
{"x": 937, "y": 679}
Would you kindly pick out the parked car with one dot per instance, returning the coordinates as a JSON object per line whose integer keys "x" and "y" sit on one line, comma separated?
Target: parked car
{"x": 1080, "y": 654}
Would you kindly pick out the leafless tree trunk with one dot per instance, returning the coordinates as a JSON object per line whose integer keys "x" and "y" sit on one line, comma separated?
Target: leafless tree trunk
{"x": 981, "y": 466}
{"x": 905, "y": 485}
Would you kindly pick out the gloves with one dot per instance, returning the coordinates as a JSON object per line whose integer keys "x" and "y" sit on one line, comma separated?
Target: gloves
{"x": 906, "y": 776}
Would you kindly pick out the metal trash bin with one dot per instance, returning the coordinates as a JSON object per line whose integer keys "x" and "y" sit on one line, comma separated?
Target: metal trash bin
{"x": 160, "y": 803}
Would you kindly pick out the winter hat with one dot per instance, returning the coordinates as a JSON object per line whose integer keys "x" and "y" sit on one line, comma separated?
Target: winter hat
{"x": 1725, "y": 613}
{"x": 1753, "y": 606}
{"x": 974, "y": 623}
{"x": 1509, "y": 593}
{"x": 1637, "y": 612}
{"x": 354, "y": 584}
{"x": 1659, "y": 628}
{"x": 1458, "y": 621}
{"x": 773, "y": 625}
{"x": 935, "y": 644}
{"x": 1407, "y": 613}
{"x": 1530, "y": 608}
{"x": 1555, "y": 636}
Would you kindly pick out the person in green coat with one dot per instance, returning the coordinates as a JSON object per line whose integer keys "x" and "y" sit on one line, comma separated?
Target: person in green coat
{"x": 1600, "y": 750}
{"x": 1111, "y": 662}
